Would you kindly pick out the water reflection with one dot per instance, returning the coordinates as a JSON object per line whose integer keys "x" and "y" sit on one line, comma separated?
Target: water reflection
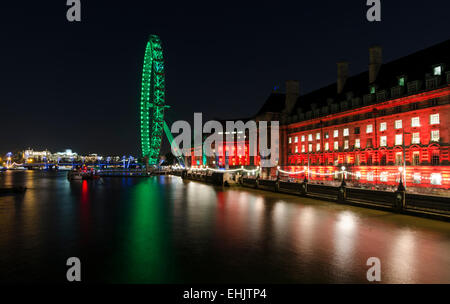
{"x": 163, "y": 229}
{"x": 146, "y": 245}
{"x": 305, "y": 224}
{"x": 345, "y": 234}
{"x": 403, "y": 257}
{"x": 85, "y": 210}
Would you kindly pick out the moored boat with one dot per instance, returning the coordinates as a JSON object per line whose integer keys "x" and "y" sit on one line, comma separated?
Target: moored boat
{"x": 82, "y": 175}
{"x": 74, "y": 175}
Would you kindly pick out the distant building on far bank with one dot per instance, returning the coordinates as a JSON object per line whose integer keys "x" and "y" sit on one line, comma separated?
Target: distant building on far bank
{"x": 35, "y": 155}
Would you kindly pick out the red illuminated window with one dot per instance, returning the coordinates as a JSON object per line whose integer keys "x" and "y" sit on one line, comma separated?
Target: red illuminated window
{"x": 436, "y": 179}
{"x": 398, "y": 139}
{"x": 415, "y": 138}
{"x": 336, "y": 133}
{"x": 416, "y": 158}
{"x": 435, "y": 160}
{"x": 435, "y": 135}
{"x": 417, "y": 179}
{"x": 398, "y": 158}
{"x": 434, "y": 119}
{"x": 383, "y": 160}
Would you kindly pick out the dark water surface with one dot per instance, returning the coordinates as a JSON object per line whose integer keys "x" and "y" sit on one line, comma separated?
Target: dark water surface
{"x": 164, "y": 230}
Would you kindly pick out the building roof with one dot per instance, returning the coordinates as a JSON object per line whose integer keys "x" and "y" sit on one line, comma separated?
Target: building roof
{"x": 274, "y": 103}
{"x": 414, "y": 66}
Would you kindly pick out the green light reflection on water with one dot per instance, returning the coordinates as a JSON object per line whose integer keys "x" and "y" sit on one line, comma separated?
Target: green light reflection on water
{"x": 146, "y": 252}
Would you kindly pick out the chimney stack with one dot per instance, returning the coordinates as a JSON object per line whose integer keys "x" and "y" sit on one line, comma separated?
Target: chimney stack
{"x": 375, "y": 61}
{"x": 342, "y": 75}
{"x": 292, "y": 94}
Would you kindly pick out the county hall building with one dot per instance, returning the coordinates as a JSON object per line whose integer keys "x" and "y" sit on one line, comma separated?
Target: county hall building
{"x": 389, "y": 121}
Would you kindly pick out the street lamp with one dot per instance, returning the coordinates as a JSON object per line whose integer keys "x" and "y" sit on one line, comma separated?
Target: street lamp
{"x": 404, "y": 160}
{"x": 401, "y": 187}
{"x": 343, "y": 176}
{"x": 309, "y": 176}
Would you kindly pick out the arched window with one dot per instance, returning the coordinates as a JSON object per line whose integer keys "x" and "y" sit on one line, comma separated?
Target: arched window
{"x": 357, "y": 159}
{"x": 435, "y": 157}
{"x": 415, "y": 158}
{"x": 369, "y": 159}
{"x": 383, "y": 159}
{"x": 398, "y": 158}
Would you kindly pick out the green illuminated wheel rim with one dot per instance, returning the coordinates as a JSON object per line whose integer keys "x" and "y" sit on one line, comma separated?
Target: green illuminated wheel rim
{"x": 152, "y": 100}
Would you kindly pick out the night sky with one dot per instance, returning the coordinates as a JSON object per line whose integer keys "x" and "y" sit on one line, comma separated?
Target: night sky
{"x": 77, "y": 85}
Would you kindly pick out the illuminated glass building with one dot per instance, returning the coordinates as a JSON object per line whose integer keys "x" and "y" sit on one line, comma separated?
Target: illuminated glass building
{"x": 389, "y": 121}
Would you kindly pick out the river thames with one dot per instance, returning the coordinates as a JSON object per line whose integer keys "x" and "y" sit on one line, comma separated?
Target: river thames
{"x": 166, "y": 230}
